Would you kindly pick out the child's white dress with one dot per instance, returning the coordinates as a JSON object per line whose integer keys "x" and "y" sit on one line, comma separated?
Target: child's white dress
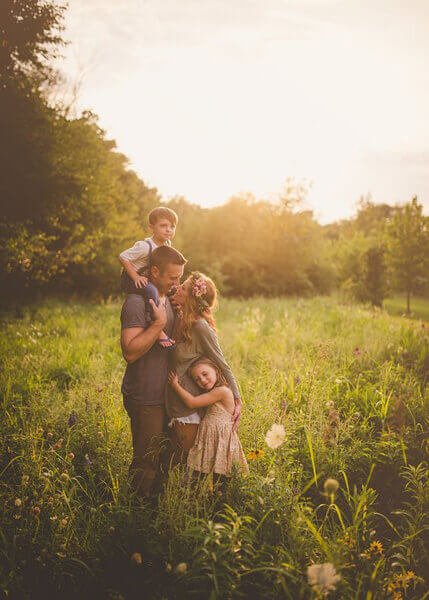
{"x": 217, "y": 448}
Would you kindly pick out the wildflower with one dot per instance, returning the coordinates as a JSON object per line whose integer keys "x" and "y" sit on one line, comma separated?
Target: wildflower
{"x": 17, "y": 516}
{"x": 58, "y": 444}
{"x": 168, "y": 567}
{"x": 255, "y": 454}
{"x": 275, "y": 436}
{"x": 18, "y": 502}
{"x": 322, "y": 578}
{"x": 25, "y": 479}
{"x": 36, "y": 511}
{"x": 64, "y": 477}
{"x": 70, "y": 456}
{"x": 330, "y": 404}
{"x": 399, "y": 584}
{"x": 338, "y": 381}
{"x": 64, "y": 522}
{"x": 181, "y": 568}
{"x": 72, "y": 419}
{"x": 357, "y": 352}
{"x": 53, "y": 518}
{"x": 50, "y": 434}
{"x": 297, "y": 380}
{"x": 331, "y": 486}
{"x": 136, "y": 558}
{"x": 88, "y": 461}
{"x": 111, "y": 529}
{"x": 375, "y": 547}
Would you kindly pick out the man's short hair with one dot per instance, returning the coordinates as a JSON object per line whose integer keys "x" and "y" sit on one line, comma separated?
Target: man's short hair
{"x": 166, "y": 255}
{"x": 162, "y": 212}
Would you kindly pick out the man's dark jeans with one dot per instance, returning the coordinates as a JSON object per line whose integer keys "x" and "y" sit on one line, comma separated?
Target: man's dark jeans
{"x": 149, "y": 438}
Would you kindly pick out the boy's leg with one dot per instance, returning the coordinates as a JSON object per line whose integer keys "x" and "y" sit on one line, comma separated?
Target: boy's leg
{"x": 127, "y": 284}
{"x": 149, "y": 292}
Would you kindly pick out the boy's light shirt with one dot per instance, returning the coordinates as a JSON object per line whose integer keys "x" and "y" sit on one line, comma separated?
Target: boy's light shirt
{"x": 138, "y": 255}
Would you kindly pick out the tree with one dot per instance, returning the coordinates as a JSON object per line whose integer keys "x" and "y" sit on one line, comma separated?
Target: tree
{"x": 373, "y": 276}
{"x": 408, "y": 248}
{"x": 30, "y": 36}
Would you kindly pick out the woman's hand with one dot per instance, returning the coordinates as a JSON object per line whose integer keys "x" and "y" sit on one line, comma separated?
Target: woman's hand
{"x": 236, "y": 414}
{"x": 173, "y": 380}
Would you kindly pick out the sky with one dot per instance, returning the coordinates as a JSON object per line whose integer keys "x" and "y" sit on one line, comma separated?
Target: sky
{"x": 213, "y": 98}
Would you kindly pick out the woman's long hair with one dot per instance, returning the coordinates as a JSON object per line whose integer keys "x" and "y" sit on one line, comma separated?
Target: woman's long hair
{"x": 201, "y": 301}
{"x": 220, "y": 377}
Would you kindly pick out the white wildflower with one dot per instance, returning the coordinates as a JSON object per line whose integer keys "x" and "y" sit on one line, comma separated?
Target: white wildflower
{"x": 275, "y": 436}
{"x": 331, "y": 486}
{"x": 181, "y": 568}
{"x": 323, "y": 578}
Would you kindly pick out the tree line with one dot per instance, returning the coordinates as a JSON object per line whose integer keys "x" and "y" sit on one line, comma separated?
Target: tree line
{"x": 69, "y": 203}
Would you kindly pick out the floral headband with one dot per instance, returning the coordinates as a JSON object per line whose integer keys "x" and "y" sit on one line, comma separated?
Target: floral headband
{"x": 198, "y": 290}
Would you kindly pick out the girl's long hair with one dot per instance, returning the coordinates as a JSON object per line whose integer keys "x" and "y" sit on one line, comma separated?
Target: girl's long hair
{"x": 220, "y": 377}
{"x": 197, "y": 306}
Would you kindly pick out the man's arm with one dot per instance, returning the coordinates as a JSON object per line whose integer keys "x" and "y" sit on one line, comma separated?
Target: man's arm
{"x": 136, "y": 341}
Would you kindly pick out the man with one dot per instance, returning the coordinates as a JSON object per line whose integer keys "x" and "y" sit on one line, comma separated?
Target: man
{"x": 143, "y": 385}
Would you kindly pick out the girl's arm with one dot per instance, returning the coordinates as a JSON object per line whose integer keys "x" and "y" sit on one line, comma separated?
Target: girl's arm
{"x": 215, "y": 395}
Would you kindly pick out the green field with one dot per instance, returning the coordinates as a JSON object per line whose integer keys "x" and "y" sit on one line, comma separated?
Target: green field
{"x": 348, "y": 384}
{"x": 398, "y": 306}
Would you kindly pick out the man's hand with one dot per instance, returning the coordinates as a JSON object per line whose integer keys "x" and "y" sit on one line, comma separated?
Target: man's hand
{"x": 236, "y": 414}
{"x": 140, "y": 281}
{"x": 159, "y": 313}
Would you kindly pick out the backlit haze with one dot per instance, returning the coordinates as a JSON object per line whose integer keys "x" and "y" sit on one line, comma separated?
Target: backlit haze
{"x": 210, "y": 98}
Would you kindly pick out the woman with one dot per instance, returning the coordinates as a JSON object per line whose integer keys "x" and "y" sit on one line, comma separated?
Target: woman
{"x": 195, "y": 337}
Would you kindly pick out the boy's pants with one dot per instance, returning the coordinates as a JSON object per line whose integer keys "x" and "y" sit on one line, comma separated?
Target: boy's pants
{"x": 148, "y": 433}
{"x": 149, "y": 292}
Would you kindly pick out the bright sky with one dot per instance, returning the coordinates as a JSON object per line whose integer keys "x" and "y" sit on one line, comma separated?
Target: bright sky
{"x": 210, "y": 98}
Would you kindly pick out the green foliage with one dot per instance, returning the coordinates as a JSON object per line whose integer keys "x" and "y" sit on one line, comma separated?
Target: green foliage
{"x": 30, "y": 35}
{"x": 255, "y": 247}
{"x": 349, "y": 386}
{"x": 408, "y": 248}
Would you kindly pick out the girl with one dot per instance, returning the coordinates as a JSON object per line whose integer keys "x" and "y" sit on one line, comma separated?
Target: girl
{"x": 217, "y": 447}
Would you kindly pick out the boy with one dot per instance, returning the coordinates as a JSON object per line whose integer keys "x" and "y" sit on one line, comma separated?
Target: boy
{"x": 135, "y": 260}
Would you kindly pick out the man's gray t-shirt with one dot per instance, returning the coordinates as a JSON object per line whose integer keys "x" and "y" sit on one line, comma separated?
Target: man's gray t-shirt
{"x": 145, "y": 379}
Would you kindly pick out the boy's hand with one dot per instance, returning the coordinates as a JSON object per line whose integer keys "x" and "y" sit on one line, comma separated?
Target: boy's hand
{"x": 173, "y": 379}
{"x": 159, "y": 313}
{"x": 140, "y": 281}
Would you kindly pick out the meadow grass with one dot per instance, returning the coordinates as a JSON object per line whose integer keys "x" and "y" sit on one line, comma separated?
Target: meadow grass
{"x": 348, "y": 384}
{"x": 397, "y": 305}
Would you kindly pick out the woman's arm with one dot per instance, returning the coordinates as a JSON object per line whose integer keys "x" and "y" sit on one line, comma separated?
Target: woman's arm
{"x": 210, "y": 344}
{"x": 215, "y": 395}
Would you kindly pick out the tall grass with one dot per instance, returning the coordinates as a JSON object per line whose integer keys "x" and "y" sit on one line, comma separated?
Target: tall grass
{"x": 350, "y": 387}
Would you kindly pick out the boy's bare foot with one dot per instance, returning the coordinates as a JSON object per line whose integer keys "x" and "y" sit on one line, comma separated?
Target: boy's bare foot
{"x": 166, "y": 342}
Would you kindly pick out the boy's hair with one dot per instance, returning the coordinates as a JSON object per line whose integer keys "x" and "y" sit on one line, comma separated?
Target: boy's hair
{"x": 220, "y": 377}
{"x": 165, "y": 255}
{"x": 162, "y": 212}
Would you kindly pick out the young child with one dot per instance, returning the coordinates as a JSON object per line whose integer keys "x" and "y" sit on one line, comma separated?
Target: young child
{"x": 135, "y": 260}
{"x": 217, "y": 447}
